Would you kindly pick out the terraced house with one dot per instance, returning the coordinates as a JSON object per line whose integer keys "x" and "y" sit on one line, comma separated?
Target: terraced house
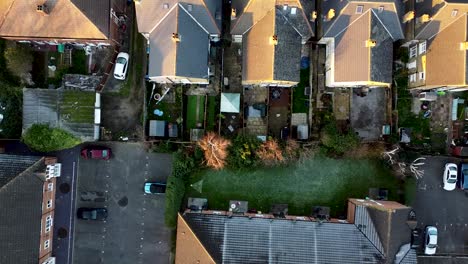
{"x": 438, "y": 46}
{"x": 52, "y": 22}
{"x": 272, "y": 33}
{"x": 27, "y": 204}
{"x": 359, "y": 37}
{"x": 179, "y": 35}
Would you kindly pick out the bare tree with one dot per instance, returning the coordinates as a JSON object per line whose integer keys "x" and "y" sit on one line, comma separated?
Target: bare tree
{"x": 270, "y": 152}
{"x": 404, "y": 168}
{"x": 214, "y": 149}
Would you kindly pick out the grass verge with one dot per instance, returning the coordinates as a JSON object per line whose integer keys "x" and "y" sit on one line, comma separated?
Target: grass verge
{"x": 320, "y": 181}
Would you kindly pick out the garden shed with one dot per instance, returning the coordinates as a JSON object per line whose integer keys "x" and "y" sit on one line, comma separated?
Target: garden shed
{"x": 230, "y": 102}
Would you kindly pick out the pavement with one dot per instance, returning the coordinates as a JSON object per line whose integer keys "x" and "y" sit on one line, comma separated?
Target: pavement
{"x": 445, "y": 210}
{"x": 134, "y": 231}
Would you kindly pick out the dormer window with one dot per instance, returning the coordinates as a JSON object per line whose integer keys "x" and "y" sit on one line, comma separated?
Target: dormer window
{"x": 359, "y": 9}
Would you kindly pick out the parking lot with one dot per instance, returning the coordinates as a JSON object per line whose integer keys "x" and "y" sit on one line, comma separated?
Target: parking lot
{"x": 134, "y": 231}
{"x": 447, "y": 210}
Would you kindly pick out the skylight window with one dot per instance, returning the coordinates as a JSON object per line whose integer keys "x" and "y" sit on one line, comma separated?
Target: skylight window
{"x": 454, "y": 12}
{"x": 359, "y": 9}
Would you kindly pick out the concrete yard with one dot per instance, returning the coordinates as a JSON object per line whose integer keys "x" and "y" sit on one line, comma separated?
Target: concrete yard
{"x": 368, "y": 113}
{"x": 134, "y": 231}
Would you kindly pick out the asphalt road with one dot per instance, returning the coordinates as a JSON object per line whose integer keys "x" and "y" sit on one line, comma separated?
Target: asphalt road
{"x": 134, "y": 231}
{"x": 447, "y": 210}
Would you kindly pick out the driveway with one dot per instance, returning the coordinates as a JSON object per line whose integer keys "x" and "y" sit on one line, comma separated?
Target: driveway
{"x": 446, "y": 210}
{"x": 134, "y": 231}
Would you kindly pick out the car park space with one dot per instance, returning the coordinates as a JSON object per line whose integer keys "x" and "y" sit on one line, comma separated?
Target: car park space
{"x": 442, "y": 209}
{"x": 134, "y": 230}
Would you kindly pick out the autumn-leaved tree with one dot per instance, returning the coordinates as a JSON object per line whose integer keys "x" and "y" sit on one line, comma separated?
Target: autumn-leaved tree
{"x": 214, "y": 149}
{"x": 270, "y": 152}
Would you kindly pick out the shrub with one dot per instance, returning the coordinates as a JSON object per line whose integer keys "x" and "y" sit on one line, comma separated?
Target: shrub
{"x": 270, "y": 153}
{"x": 41, "y": 137}
{"x": 183, "y": 166}
{"x": 338, "y": 142}
{"x": 19, "y": 60}
{"x": 242, "y": 152}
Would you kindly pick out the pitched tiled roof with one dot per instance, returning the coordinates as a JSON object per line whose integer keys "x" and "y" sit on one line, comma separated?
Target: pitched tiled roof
{"x": 444, "y": 33}
{"x": 187, "y": 58}
{"x": 193, "y": 20}
{"x": 77, "y": 19}
{"x": 12, "y": 165}
{"x": 258, "y": 21}
{"x": 150, "y": 13}
{"x": 20, "y": 209}
{"x": 346, "y": 14}
{"x": 238, "y": 239}
{"x": 353, "y": 61}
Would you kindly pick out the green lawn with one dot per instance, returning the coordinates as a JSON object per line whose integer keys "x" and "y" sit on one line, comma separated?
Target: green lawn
{"x": 299, "y": 99}
{"x": 211, "y": 113}
{"x": 321, "y": 181}
{"x": 78, "y": 106}
{"x": 194, "y": 103}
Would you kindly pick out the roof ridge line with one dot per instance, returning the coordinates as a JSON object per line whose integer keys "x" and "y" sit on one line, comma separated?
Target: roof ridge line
{"x": 382, "y": 24}
{"x": 163, "y": 18}
{"x": 193, "y": 18}
{"x": 6, "y": 13}
{"x": 22, "y": 173}
{"x": 432, "y": 20}
{"x": 448, "y": 26}
{"x": 211, "y": 16}
{"x": 245, "y": 8}
{"x": 334, "y": 22}
{"x": 195, "y": 236}
{"x": 89, "y": 20}
{"x": 350, "y": 24}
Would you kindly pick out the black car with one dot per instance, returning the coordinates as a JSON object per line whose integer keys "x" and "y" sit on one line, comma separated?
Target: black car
{"x": 92, "y": 213}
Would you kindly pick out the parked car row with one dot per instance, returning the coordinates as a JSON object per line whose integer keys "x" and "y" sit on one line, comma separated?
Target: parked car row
{"x": 453, "y": 178}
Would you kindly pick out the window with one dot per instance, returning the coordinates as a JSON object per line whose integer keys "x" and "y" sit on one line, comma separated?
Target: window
{"x": 359, "y": 9}
{"x": 454, "y": 12}
{"x": 49, "y": 221}
{"x": 421, "y": 76}
{"x": 46, "y": 244}
{"x": 412, "y": 77}
{"x": 422, "y": 47}
{"x": 413, "y": 51}
{"x": 50, "y": 186}
{"x": 49, "y": 203}
{"x": 381, "y": 9}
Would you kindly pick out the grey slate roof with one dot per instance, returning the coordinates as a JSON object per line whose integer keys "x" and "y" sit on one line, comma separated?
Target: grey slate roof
{"x": 20, "y": 212}
{"x": 287, "y": 55}
{"x": 381, "y": 55}
{"x": 96, "y": 12}
{"x": 192, "y": 51}
{"x": 12, "y": 165}
{"x": 257, "y": 240}
{"x": 187, "y": 58}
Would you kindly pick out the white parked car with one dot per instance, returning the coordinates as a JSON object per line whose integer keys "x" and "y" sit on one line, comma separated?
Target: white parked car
{"x": 430, "y": 243}
{"x": 450, "y": 176}
{"x": 121, "y": 66}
